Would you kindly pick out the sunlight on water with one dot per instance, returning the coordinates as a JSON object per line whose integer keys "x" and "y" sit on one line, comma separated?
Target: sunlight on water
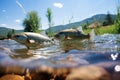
{"x": 108, "y": 42}
{"x": 105, "y": 43}
{"x": 48, "y": 51}
{"x": 117, "y": 68}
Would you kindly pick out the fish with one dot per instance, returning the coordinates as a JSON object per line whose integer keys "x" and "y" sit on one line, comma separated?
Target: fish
{"x": 30, "y": 39}
{"x": 73, "y": 34}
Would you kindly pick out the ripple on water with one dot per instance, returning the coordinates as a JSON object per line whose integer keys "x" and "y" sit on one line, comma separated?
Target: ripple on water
{"x": 106, "y": 42}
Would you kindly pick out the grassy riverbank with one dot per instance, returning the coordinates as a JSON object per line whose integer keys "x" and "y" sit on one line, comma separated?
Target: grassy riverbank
{"x": 103, "y": 29}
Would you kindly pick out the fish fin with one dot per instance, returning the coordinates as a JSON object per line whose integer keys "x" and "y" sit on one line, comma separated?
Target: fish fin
{"x": 68, "y": 38}
{"x": 31, "y": 41}
{"x": 91, "y": 35}
{"x": 80, "y": 29}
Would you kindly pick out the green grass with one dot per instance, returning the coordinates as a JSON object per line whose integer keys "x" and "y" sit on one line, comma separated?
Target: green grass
{"x": 103, "y": 29}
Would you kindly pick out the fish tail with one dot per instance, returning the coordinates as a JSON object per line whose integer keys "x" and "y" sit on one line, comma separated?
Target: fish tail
{"x": 91, "y": 35}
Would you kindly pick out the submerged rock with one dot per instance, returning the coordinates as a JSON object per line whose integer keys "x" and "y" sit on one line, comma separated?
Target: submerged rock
{"x": 11, "y": 77}
{"x": 89, "y": 73}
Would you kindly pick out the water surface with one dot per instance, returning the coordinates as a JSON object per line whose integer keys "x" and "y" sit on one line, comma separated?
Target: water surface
{"x": 68, "y": 53}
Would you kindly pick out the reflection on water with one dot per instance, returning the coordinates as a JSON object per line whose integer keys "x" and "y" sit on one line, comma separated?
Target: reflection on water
{"x": 107, "y": 43}
{"x": 76, "y": 45}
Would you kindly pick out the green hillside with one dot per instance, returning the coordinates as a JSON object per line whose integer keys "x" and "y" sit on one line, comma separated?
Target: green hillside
{"x": 99, "y": 17}
{"x": 4, "y": 32}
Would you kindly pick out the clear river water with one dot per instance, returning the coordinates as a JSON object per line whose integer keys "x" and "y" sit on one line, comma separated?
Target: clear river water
{"x": 104, "y": 48}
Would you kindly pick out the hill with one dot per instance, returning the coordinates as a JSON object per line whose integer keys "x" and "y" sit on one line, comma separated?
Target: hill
{"x": 99, "y": 17}
{"x": 4, "y": 31}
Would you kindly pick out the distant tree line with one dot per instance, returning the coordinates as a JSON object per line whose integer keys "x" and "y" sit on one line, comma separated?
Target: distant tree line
{"x": 108, "y": 20}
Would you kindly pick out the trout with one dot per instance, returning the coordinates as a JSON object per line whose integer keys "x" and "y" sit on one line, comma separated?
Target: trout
{"x": 71, "y": 34}
{"x": 30, "y": 39}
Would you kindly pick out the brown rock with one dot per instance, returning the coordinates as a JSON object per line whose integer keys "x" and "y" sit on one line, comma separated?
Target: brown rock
{"x": 40, "y": 76}
{"x": 89, "y": 73}
{"x": 11, "y": 77}
{"x": 116, "y": 76}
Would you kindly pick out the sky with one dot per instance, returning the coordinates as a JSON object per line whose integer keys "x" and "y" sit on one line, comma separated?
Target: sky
{"x": 13, "y": 12}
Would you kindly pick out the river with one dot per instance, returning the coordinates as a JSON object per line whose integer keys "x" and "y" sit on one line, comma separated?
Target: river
{"x": 103, "y": 43}
{"x": 104, "y": 48}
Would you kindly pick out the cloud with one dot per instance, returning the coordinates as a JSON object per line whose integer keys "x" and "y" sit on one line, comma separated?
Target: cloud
{"x": 21, "y": 6}
{"x": 17, "y": 21}
{"x": 3, "y": 10}
{"x": 3, "y": 25}
{"x": 58, "y": 5}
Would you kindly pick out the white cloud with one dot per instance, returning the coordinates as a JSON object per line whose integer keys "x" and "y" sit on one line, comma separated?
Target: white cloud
{"x": 17, "y": 21}
{"x": 58, "y": 5}
{"x": 3, "y": 25}
{"x": 3, "y": 10}
{"x": 21, "y": 6}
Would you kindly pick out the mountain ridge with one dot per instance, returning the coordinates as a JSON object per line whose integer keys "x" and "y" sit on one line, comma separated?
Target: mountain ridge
{"x": 98, "y": 17}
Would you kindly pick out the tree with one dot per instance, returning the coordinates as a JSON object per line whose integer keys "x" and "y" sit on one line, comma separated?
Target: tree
{"x": 49, "y": 16}
{"x": 85, "y": 25}
{"x": 108, "y": 20}
{"x": 32, "y": 22}
{"x": 117, "y": 22}
{"x": 10, "y": 33}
